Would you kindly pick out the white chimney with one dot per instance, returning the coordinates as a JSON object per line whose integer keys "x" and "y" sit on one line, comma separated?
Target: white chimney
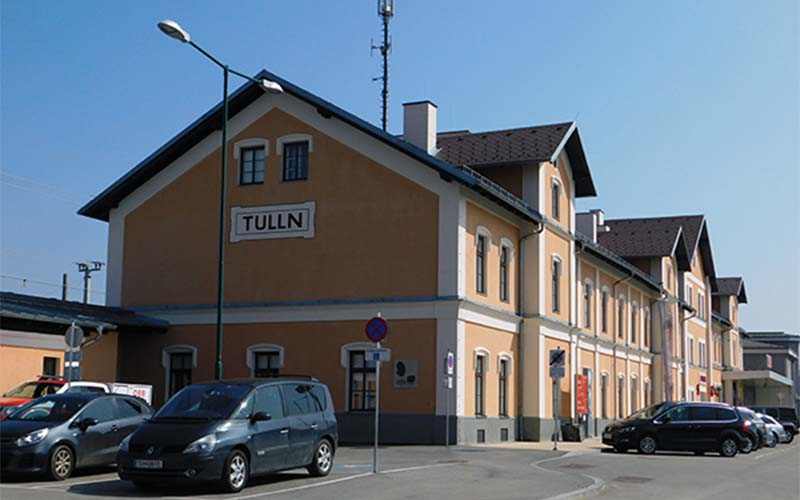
{"x": 419, "y": 125}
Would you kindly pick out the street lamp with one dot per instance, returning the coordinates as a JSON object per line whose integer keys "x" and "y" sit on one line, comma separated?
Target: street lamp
{"x": 174, "y": 30}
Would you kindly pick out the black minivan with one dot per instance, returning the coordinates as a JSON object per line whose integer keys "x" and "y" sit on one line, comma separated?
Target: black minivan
{"x": 697, "y": 427}
{"x": 227, "y": 431}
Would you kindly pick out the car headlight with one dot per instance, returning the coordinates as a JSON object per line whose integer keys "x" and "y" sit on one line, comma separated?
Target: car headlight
{"x": 203, "y": 445}
{"x": 630, "y": 428}
{"x": 123, "y": 446}
{"x": 32, "y": 438}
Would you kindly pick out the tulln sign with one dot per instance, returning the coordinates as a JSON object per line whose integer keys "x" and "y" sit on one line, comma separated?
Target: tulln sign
{"x": 273, "y": 221}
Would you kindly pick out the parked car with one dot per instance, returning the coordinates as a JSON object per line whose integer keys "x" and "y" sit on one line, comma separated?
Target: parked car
{"x": 775, "y": 431}
{"x": 141, "y": 391}
{"x": 698, "y": 427}
{"x": 27, "y": 392}
{"x": 756, "y": 430}
{"x": 57, "y": 434}
{"x": 786, "y": 415}
{"x": 226, "y": 431}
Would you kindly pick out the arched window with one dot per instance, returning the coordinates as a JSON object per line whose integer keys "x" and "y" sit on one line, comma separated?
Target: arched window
{"x": 178, "y": 361}
{"x": 556, "y": 272}
{"x": 588, "y": 289}
{"x": 634, "y": 393}
{"x": 604, "y": 310}
{"x": 647, "y": 396}
{"x": 481, "y": 364}
{"x": 621, "y": 317}
{"x": 264, "y": 360}
{"x": 506, "y": 251}
{"x": 634, "y": 320}
{"x": 604, "y": 394}
{"x": 646, "y": 317}
{"x": 483, "y": 241}
{"x": 556, "y": 199}
{"x": 621, "y": 396}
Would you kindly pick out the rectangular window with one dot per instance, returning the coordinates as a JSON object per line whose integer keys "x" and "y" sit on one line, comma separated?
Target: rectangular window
{"x": 362, "y": 382}
{"x": 180, "y": 371}
{"x": 504, "y": 274}
{"x": 702, "y": 353}
{"x": 480, "y": 371}
{"x": 701, "y": 305}
{"x": 634, "y": 394}
{"x": 251, "y": 166}
{"x": 621, "y": 318}
{"x": 689, "y": 293}
{"x": 604, "y": 311}
{"x": 298, "y": 399}
{"x": 295, "y": 161}
{"x": 504, "y": 434}
{"x": 480, "y": 265}
{"x": 266, "y": 364}
{"x": 50, "y": 366}
{"x": 634, "y": 323}
{"x": 556, "y": 201}
{"x": 691, "y": 351}
{"x": 621, "y": 397}
{"x": 556, "y": 272}
{"x": 503, "y": 394}
{"x": 481, "y": 436}
{"x": 604, "y": 396}
{"x": 587, "y": 305}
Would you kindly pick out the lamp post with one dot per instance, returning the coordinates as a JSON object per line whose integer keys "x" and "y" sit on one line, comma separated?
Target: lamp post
{"x": 174, "y": 30}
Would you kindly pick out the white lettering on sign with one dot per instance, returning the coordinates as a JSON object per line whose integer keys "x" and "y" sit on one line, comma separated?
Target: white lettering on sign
{"x": 273, "y": 221}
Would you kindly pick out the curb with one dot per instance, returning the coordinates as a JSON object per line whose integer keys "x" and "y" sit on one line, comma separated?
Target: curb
{"x": 592, "y": 489}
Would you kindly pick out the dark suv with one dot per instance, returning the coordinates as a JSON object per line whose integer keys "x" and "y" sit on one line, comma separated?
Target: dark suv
{"x": 229, "y": 430}
{"x": 697, "y": 427}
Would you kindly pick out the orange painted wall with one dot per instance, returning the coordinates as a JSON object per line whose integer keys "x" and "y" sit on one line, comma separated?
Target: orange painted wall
{"x": 376, "y": 232}
{"x": 309, "y": 348}
{"x": 499, "y": 228}
{"x": 496, "y": 342}
{"x": 100, "y": 359}
{"x": 21, "y": 364}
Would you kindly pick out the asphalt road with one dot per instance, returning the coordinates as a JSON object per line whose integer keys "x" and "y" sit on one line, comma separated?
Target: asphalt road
{"x": 417, "y": 472}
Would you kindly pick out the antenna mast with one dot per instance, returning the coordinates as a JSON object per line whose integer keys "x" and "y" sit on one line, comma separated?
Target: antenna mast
{"x": 385, "y": 12}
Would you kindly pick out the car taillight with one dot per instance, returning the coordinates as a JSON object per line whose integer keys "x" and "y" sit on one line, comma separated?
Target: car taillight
{"x": 747, "y": 424}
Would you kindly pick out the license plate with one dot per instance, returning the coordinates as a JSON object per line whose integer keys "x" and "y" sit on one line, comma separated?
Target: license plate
{"x": 606, "y": 435}
{"x": 148, "y": 464}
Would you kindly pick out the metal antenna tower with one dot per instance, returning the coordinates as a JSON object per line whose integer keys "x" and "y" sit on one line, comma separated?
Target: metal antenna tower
{"x": 385, "y": 12}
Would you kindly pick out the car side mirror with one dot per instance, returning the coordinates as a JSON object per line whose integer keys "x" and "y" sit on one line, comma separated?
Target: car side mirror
{"x": 666, "y": 419}
{"x": 86, "y": 423}
{"x": 260, "y": 416}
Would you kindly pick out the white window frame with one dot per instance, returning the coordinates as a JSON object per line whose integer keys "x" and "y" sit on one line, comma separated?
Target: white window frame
{"x": 344, "y": 361}
{"x": 646, "y": 340}
{"x": 555, "y": 201}
{"x": 506, "y": 244}
{"x": 587, "y": 305}
{"x": 634, "y": 315}
{"x": 621, "y": 319}
{"x": 166, "y": 358}
{"x": 633, "y": 392}
{"x": 252, "y": 142}
{"x": 252, "y": 350}
{"x": 556, "y": 258}
{"x": 604, "y": 308}
{"x": 604, "y": 401}
{"x": 290, "y": 138}
{"x": 483, "y": 231}
{"x": 701, "y": 351}
{"x": 690, "y": 349}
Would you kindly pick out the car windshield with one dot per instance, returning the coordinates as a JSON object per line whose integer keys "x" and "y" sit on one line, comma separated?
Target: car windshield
{"x": 32, "y": 390}
{"x": 747, "y": 414}
{"x": 203, "y": 401}
{"x": 50, "y": 409}
{"x": 649, "y": 412}
{"x": 768, "y": 419}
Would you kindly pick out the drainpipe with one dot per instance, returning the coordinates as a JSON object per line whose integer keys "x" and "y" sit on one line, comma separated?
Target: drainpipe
{"x": 521, "y": 330}
{"x": 616, "y": 323}
{"x": 684, "y": 333}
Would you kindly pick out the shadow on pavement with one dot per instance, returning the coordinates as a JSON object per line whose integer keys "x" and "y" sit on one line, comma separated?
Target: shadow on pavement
{"x": 10, "y": 478}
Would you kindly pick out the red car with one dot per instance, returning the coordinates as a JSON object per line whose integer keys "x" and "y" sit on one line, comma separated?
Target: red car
{"x": 28, "y": 391}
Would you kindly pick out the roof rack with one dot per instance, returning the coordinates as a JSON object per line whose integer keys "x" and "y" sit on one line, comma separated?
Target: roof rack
{"x": 251, "y": 380}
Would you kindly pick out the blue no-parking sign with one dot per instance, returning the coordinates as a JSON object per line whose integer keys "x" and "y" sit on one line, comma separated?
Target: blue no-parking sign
{"x": 376, "y": 329}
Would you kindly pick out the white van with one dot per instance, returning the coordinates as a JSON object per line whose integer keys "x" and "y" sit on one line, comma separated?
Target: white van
{"x": 141, "y": 391}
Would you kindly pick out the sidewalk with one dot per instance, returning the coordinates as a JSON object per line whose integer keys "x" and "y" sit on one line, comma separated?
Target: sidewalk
{"x": 591, "y": 444}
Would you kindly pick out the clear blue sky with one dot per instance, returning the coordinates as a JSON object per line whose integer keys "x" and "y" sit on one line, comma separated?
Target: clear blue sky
{"x": 684, "y": 107}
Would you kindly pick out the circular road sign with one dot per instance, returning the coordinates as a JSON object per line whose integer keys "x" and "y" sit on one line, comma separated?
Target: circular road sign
{"x": 376, "y": 329}
{"x": 74, "y": 336}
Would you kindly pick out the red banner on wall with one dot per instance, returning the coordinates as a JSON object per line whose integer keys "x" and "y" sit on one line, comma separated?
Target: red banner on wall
{"x": 582, "y": 394}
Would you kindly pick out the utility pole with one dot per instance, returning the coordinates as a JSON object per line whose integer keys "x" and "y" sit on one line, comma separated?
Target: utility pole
{"x": 64, "y": 286}
{"x": 87, "y": 268}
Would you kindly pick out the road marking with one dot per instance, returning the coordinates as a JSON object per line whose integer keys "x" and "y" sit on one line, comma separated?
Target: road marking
{"x": 339, "y": 480}
{"x": 593, "y": 488}
{"x": 302, "y": 487}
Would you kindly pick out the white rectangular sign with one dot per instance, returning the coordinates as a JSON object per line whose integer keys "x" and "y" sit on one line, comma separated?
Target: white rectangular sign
{"x": 273, "y": 221}
{"x": 406, "y": 373}
{"x": 379, "y": 354}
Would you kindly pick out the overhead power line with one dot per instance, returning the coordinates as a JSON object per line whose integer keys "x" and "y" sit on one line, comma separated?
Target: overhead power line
{"x": 49, "y": 284}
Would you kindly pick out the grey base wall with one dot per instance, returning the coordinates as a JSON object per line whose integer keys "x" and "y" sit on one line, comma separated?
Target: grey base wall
{"x": 395, "y": 428}
{"x": 470, "y": 429}
{"x": 541, "y": 429}
{"x": 358, "y": 428}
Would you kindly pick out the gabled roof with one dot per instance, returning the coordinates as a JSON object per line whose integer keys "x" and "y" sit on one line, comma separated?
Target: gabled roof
{"x": 519, "y": 146}
{"x": 636, "y": 238}
{"x": 60, "y": 313}
{"x": 587, "y": 245}
{"x": 732, "y": 286}
{"x": 99, "y": 207}
{"x": 661, "y": 237}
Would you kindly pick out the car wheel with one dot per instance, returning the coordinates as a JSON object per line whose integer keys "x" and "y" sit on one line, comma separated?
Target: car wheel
{"x": 748, "y": 443}
{"x": 236, "y": 472}
{"x": 772, "y": 440}
{"x": 62, "y": 462}
{"x": 728, "y": 448}
{"x": 647, "y": 445}
{"x": 789, "y": 437}
{"x": 322, "y": 461}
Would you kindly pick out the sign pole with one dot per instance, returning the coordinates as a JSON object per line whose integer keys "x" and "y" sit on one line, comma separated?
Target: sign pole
{"x": 556, "y": 410}
{"x": 377, "y": 411}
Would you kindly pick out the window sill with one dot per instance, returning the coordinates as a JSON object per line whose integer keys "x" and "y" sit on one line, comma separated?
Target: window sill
{"x": 294, "y": 180}
{"x": 480, "y": 416}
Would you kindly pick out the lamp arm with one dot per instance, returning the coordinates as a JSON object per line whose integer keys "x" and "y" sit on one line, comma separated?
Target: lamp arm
{"x": 200, "y": 49}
